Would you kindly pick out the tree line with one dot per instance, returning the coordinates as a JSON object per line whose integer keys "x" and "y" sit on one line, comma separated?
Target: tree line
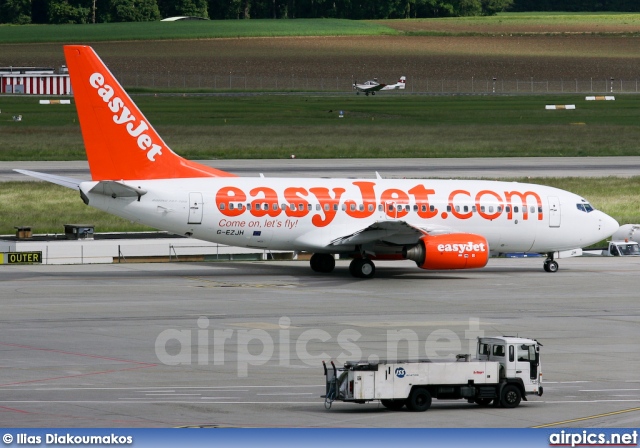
{"x": 100, "y": 11}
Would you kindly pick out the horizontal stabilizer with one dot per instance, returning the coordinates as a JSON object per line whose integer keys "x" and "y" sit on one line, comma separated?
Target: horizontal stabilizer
{"x": 117, "y": 190}
{"x": 67, "y": 182}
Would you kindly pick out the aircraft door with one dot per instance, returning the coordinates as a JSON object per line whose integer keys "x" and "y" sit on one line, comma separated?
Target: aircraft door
{"x": 554, "y": 211}
{"x": 195, "y": 208}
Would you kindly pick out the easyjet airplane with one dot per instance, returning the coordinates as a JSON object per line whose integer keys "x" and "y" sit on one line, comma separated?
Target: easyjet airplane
{"x": 439, "y": 224}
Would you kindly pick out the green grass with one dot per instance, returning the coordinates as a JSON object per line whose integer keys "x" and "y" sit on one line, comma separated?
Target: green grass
{"x": 46, "y": 207}
{"x": 276, "y": 126}
{"x": 190, "y": 29}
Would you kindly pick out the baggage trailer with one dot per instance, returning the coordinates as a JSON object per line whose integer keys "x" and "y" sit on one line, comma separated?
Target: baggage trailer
{"x": 506, "y": 369}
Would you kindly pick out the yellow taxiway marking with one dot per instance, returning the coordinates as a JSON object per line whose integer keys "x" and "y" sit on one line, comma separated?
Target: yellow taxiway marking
{"x": 587, "y": 418}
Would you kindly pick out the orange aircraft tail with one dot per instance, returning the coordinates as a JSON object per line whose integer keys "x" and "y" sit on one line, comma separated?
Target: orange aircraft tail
{"x": 120, "y": 142}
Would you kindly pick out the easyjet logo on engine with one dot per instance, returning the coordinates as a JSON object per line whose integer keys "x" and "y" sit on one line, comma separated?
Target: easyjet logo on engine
{"x": 122, "y": 116}
{"x": 462, "y": 248}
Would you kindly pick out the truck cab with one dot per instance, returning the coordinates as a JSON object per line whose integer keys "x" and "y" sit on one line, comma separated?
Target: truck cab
{"x": 519, "y": 358}
{"x": 622, "y": 249}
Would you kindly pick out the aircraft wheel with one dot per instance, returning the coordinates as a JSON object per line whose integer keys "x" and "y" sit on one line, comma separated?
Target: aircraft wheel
{"x": 550, "y": 266}
{"x": 324, "y": 263}
{"x": 373, "y": 93}
{"x": 362, "y": 268}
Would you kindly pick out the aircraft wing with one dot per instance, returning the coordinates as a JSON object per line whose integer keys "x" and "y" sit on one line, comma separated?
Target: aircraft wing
{"x": 392, "y": 232}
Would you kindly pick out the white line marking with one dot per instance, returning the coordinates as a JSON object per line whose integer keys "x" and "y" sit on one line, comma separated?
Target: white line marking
{"x": 288, "y": 393}
{"x": 609, "y": 390}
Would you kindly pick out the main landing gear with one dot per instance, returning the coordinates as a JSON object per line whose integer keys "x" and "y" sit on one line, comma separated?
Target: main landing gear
{"x": 362, "y": 268}
{"x": 359, "y": 267}
{"x": 550, "y": 265}
{"x": 324, "y": 263}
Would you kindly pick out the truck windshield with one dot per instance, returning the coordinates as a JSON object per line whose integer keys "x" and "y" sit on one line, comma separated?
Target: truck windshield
{"x": 629, "y": 249}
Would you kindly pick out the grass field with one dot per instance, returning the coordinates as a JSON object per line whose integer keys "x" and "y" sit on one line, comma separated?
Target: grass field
{"x": 518, "y": 23}
{"x": 30, "y": 204}
{"x": 276, "y": 126}
{"x": 195, "y": 29}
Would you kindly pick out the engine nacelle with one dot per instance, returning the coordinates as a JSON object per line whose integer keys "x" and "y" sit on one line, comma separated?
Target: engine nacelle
{"x": 452, "y": 251}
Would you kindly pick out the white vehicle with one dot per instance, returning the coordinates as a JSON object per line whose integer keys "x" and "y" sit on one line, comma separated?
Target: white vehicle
{"x": 622, "y": 249}
{"x": 438, "y": 224}
{"x": 505, "y": 371}
{"x": 373, "y": 86}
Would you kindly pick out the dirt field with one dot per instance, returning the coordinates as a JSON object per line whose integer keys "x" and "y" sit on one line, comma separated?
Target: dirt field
{"x": 460, "y": 57}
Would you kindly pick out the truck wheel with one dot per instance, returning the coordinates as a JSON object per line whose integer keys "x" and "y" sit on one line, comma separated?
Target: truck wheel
{"x": 483, "y": 402}
{"x": 394, "y": 405}
{"x": 419, "y": 400}
{"x": 511, "y": 396}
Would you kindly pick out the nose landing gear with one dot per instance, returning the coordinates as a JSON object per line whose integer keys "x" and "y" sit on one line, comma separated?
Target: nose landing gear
{"x": 550, "y": 265}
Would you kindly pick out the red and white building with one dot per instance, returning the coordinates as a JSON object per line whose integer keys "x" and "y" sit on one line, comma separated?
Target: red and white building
{"x": 34, "y": 81}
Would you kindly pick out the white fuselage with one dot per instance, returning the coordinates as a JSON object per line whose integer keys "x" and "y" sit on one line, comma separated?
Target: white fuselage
{"x": 511, "y": 216}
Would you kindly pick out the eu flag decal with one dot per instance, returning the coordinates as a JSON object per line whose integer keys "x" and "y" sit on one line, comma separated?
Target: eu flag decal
{"x": 256, "y": 233}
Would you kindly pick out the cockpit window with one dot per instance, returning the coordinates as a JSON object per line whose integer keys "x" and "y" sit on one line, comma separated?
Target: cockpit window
{"x": 586, "y": 207}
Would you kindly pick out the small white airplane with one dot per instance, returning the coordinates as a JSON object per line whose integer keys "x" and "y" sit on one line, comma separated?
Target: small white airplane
{"x": 439, "y": 224}
{"x": 373, "y": 86}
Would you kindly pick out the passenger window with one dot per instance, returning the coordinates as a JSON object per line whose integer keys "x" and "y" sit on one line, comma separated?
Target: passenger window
{"x": 466, "y": 208}
{"x": 326, "y": 207}
{"x": 473, "y": 209}
{"x": 309, "y": 207}
{"x": 361, "y": 207}
{"x": 515, "y": 209}
{"x": 448, "y": 208}
{"x": 371, "y": 207}
{"x": 499, "y": 208}
{"x": 482, "y": 208}
{"x": 222, "y": 206}
{"x": 539, "y": 209}
{"x": 380, "y": 209}
{"x": 248, "y": 206}
{"x": 230, "y": 205}
{"x": 265, "y": 206}
{"x": 353, "y": 207}
{"x": 508, "y": 208}
{"x": 415, "y": 208}
{"x": 432, "y": 208}
{"x": 344, "y": 207}
{"x": 275, "y": 206}
{"x": 457, "y": 208}
{"x": 491, "y": 209}
{"x": 335, "y": 207}
{"x": 532, "y": 209}
{"x": 240, "y": 205}
{"x": 423, "y": 208}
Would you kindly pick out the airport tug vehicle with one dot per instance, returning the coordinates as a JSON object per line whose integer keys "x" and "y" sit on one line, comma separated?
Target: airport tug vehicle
{"x": 506, "y": 369}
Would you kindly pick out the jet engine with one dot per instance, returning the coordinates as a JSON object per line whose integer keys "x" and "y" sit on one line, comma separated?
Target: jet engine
{"x": 452, "y": 251}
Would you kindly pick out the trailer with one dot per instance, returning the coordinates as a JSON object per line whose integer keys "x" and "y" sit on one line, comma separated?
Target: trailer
{"x": 505, "y": 371}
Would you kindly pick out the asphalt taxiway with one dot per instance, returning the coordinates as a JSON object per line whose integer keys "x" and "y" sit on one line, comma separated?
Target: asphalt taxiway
{"x": 241, "y": 343}
{"x": 486, "y": 167}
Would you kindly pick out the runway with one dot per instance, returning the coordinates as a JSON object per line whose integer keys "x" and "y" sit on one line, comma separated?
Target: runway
{"x": 240, "y": 344}
{"x": 491, "y": 168}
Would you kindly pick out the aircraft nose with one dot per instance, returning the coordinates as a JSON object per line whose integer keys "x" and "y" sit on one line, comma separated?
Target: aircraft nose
{"x": 608, "y": 225}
